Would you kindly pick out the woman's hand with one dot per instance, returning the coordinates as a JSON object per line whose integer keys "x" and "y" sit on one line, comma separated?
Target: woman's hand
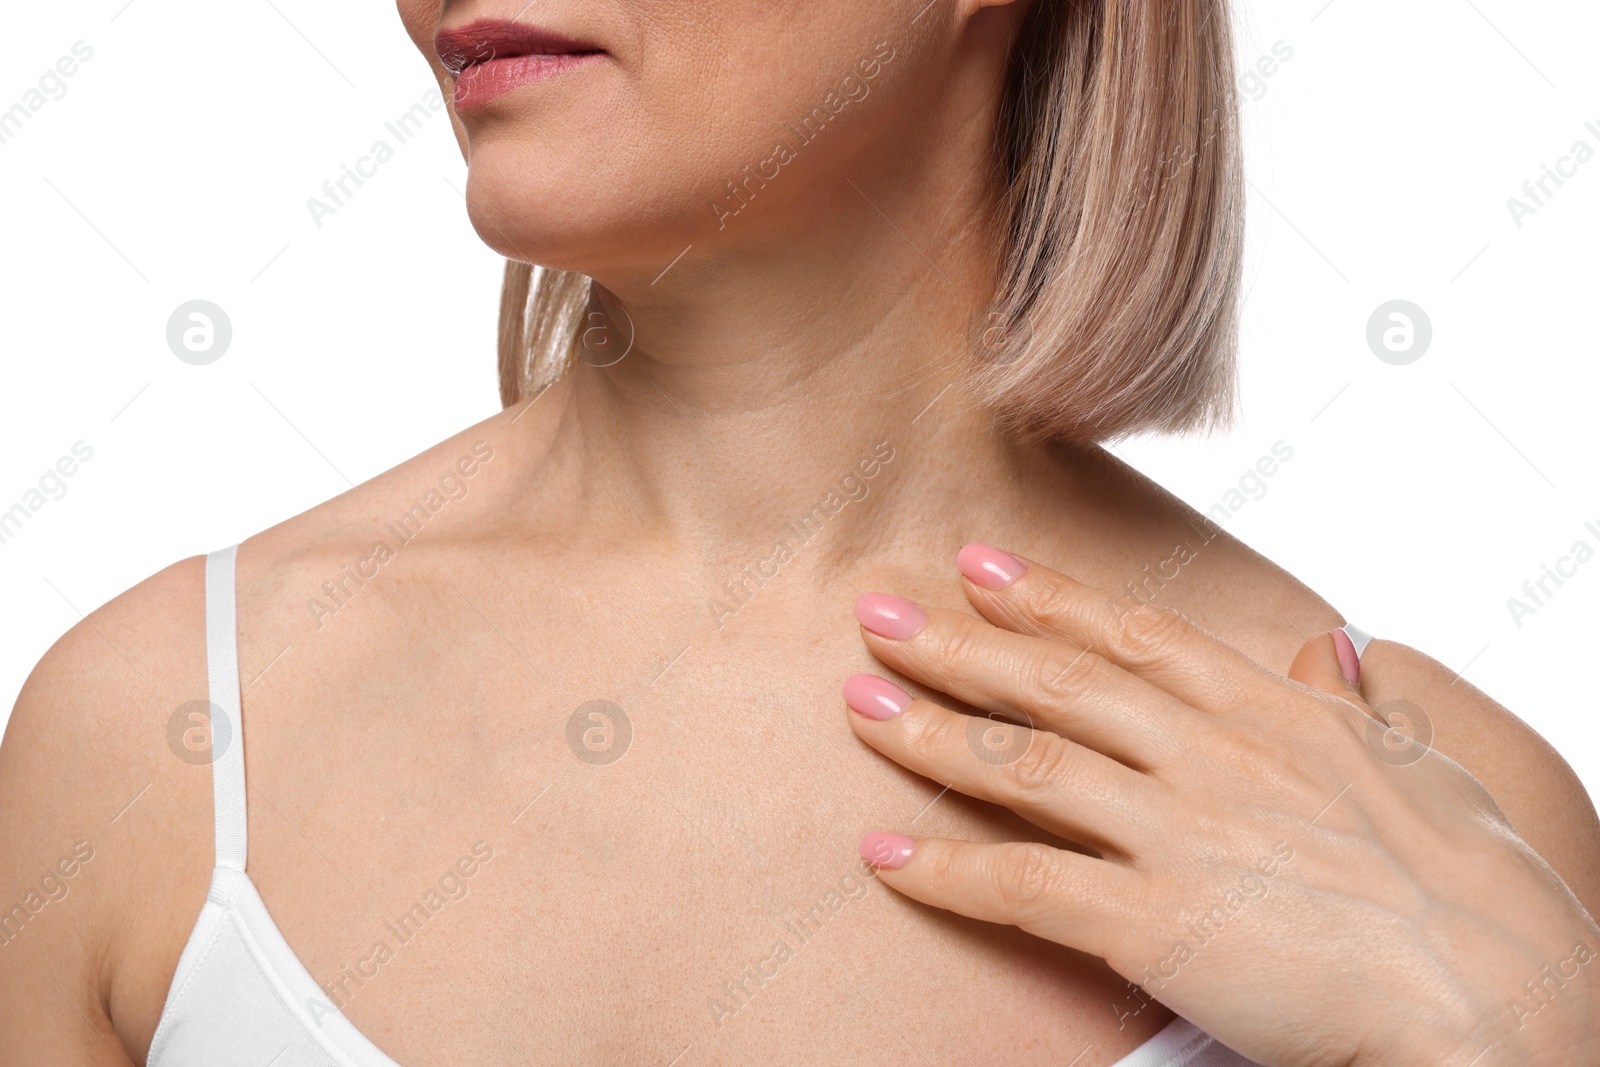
{"x": 1267, "y": 866}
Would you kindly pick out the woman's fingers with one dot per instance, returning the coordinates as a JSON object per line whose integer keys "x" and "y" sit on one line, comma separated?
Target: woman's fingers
{"x": 1398, "y": 733}
{"x": 1072, "y": 791}
{"x": 1044, "y": 683}
{"x": 1158, "y": 644}
{"x": 1073, "y": 900}
{"x": 1329, "y": 662}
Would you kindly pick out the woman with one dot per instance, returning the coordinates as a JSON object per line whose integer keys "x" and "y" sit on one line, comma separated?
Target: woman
{"x": 532, "y": 746}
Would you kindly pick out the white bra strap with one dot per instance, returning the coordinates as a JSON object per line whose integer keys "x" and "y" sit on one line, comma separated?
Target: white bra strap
{"x": 1358, "y": 637}
{"x": 227, "y": 733}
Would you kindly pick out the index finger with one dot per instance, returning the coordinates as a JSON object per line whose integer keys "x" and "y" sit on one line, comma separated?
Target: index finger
{"x": 1156, "y": 643}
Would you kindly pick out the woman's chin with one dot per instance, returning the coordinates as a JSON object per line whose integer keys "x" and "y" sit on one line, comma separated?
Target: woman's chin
{"x": 574, "y": 238}
{"x": 521, "y": 205}
{"x": 558, "y": 235}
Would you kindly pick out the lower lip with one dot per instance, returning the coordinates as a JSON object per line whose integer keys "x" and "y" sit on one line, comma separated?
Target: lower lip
{"x": 482, "y": 82}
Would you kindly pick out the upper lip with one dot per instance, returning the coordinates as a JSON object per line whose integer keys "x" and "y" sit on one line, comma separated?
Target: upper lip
{"x": 486, "y": 39}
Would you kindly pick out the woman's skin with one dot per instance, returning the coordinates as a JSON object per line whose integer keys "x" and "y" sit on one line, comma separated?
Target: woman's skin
{"x": 793, "y": 349}
{"x": 1262, "y": 840}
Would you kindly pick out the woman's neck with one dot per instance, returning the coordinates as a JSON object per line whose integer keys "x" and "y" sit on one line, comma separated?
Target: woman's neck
{"x": 806, "y": 396}
{"x": 829, "y": 323}
{"x": 774, "y": 354}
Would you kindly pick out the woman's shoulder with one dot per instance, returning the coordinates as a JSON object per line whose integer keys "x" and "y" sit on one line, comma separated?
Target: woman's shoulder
{"x": 106, "y": 812}
{"x": 103, "y": 768}
{"x": 1536, "y": 789}
{"x": 452, "y": 488}
{"x": 90, "y": 721}
{"x": 1182, "y": 559}
{"x": 148, "y": 642}
{"x": 1157, "y": 548}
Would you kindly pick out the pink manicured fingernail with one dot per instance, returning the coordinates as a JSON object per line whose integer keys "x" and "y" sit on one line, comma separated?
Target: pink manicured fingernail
{"x": 889, "y": 616}
{"x": 1349, "y": 662}
{"x": 874, "y": 697}
{"x": 887, "y": 851}
{"x": 989, "y": 567}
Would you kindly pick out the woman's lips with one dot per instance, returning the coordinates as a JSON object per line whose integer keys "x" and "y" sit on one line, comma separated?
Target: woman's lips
{"x": 490, "y": 57}
{"x": 482, "y": 82}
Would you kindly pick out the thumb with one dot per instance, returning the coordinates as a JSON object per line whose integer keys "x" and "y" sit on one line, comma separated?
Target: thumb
{"x": 1329, "y": 662}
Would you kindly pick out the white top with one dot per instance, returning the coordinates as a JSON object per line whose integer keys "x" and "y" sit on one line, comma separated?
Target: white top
{"x": 241, "y": 995}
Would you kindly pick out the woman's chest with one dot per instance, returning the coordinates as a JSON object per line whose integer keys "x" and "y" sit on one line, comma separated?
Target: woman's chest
{"x": 631, "y": 848}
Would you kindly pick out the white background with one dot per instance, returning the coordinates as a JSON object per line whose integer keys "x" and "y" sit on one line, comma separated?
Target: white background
{"x": 1381, "y": 155}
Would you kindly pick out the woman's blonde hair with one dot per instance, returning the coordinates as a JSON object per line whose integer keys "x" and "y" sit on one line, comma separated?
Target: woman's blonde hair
{"x": 1116, "y": 309}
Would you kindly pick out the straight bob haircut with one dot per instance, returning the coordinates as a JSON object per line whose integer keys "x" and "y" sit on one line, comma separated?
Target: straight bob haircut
{"x": 1120, "y": 233}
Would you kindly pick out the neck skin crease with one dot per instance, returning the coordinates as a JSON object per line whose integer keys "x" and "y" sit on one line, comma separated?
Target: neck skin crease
{"x": 768, "y": 361}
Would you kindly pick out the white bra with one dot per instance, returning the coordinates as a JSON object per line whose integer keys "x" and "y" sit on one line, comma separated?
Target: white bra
{"x": 241, "y": 996}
